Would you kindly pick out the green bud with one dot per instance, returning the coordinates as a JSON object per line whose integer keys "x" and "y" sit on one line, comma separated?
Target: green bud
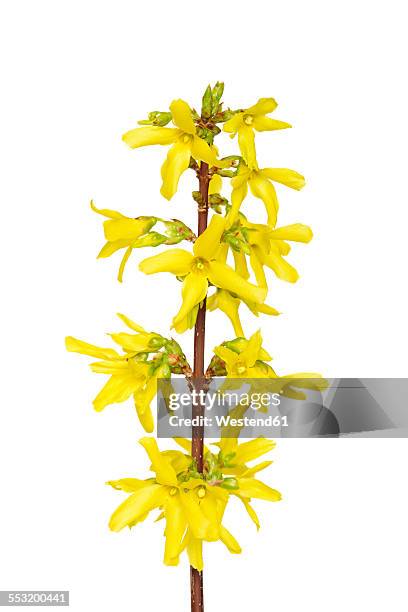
{"x": 215, "y": 199}
{"x": 216, "y": 367}
{"x": 157, "y": 342}
{"x": 231, "y": 484}
{"x": 152, "y": 239}
{"x": 171, "y": 346}
{"x": 237, "y": 345}
{"x": 197, "y": 197}
{"x": 217, "y": 92}
{"x": 206, "y": 105}
{"x": 157, "y": 118}
{"x": 211, "y": 461}
{"x": 206, "y": 134}
{"x": 226, "y": 173}
{"x": 149, "y": 222}
{"x": 223, "y": 116}
{"x": 234, "y": 242}
{"x": 264, "y": 367}
{"x": 176, "y": 231}
{"x": 165, "y": 370}
{"x": 228, "y": 458}
{"x": 140, "y": 357}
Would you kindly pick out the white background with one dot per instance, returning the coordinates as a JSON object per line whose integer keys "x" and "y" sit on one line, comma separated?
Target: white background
{"x": 75, "y": 76}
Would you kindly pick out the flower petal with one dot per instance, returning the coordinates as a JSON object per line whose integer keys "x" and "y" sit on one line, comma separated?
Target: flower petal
{"x": 134, "y": 343}
{"x": 176, "y": 525}
{"x": 215, "y": 185}
{"x": 131, "y": 324}
{"x": 238, "y": 194}
{"x": 144, "y": 414}
{"x": 296, "y": 232}
{"x": 257, "y": 267}
{"x": 111, "y": 247}
{"x": 251, "y": 351}
{"x": 224, "y": 277}
{"x": 246, "y": 141}
{"x": 187, "y": 322}
{"x": 176, "y": 261}
{"x": 130, "y": 485}
{"x": 232, "y": 125}
{"x": 229, "y": 357}
{"x": 208, "y": 243}
{"x": 79, "y": 346}
{"x": 262, "y": 107}
{"x": 165, "y": 473}
{"x": 117, "y": 389}
{"x": 150, "y": 135}
{"x": 197, "y": 521}
{"x": 202, "y": 151}
{"x": 107, "y": 212}
{"x": 194, "y": 290}
{"x": 177, "y": 161}
{"x": 250, "y": 487}
{"x": 125, "y": 228}
{"x": 241, "y": 267}
{"x": 137, "y": 505}
{"x": 251, "y": 512}
{"x": 280, "y": 266}
{"x": 230, "y": 542}
{"x": 257, "y": 468}
{"x": 195, "y": 553}
{"x": 229, "y": 306}
{"x": 123, "y": 263}
{"x": 248, "y": 451}
{"x": 262, "y": 188}
{"x": 287, "y": 177}
{"x": 182, "y": 118}
{"x": 266, "y": 124}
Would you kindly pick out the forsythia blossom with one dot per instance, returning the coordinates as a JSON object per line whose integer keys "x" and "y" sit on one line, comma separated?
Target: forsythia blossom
{"x": 146, "y": 357}
{"x": 253, "y": 118}
{"x": 192, "y": 503}
{"x": 261, "y": 185}
{"x": 185, "y": 144}
{"x": 200, "y": 267}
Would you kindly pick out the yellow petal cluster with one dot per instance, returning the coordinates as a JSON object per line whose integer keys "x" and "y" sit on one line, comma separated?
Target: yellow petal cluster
{"x": 253, "y": 118}
{"x": 261, "y": 185}
{"x": 185, "y": 144}
{"x": 199, "y": 268}
{"x": 132, "y": 373}
{"x": 193, "y": 504}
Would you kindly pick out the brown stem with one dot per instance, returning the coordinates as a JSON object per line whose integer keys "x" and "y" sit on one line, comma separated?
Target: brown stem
{"x": 197, "y": 433}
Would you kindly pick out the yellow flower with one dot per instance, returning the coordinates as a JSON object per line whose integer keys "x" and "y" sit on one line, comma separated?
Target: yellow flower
{"x": 122, "y": 232}
{"x": 193, "y": 504}
{"x": 253, "y": 118}
{"x": 229, "y": 305}
{"x": 261, "y": 185}
{"x": 241, "y": 358}
{"x": 131, "y": 373}
{"x": 186, "y": 144}
{"x": 268, "y": 248}
{"x": 199, "y": 268}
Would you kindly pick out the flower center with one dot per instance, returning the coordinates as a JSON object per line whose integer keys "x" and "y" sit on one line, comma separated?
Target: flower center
{"x": 248, "y": 119}
{"x": 186, "y": 138}
{"x": 240, "y": 368}
{"x": 199, "y": 265}
{"x": 173, "y": 491}
{"x": 201, "y": 492}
